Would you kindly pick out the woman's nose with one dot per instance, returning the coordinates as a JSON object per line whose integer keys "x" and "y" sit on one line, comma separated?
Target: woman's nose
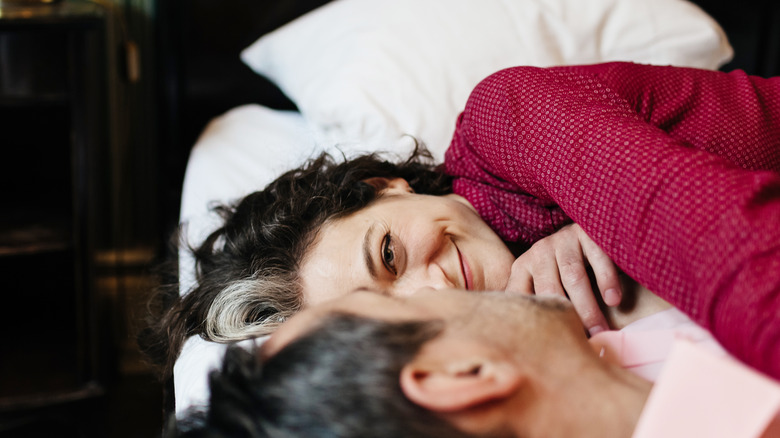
{"x": 429, "y": 256}
{"x": 430, "y": 276}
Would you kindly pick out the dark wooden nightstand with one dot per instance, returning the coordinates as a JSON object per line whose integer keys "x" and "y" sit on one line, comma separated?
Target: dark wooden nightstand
{"x": 53, "y": 149}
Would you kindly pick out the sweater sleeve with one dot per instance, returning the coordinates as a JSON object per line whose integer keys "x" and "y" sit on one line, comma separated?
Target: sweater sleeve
{"x": 673, "y": 172}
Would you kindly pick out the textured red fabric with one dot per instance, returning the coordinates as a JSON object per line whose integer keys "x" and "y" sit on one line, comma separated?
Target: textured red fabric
{"x": 674, "y": 172}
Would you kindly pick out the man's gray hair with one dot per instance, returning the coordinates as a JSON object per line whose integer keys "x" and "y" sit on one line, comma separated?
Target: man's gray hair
{"x": 339, "y": 380}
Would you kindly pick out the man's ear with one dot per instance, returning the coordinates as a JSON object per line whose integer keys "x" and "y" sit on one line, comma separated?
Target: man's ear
{"x": 458, "y": 376}
{"x": 389, "y": 185}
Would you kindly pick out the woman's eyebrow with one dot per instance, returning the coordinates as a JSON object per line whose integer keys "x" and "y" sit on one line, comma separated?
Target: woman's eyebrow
{"x": 367, "y": 253}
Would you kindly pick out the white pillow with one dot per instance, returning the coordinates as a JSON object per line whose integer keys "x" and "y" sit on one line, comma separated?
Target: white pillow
{"x": 372, "y": 70}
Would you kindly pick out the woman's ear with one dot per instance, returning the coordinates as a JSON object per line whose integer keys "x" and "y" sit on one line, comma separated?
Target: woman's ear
{"x": 458, "y": 376}
{"x": 389, "y": 185}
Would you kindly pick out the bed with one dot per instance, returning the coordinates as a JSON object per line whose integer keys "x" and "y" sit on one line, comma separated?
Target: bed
{"x": 254, "y": 88}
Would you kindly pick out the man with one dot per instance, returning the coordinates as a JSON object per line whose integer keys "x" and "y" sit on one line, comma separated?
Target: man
{"x": 450, "y": 363}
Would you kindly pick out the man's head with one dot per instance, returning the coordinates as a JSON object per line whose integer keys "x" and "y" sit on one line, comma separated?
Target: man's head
{"x": 321, "y": 385}
{"x": 483, "y": 364}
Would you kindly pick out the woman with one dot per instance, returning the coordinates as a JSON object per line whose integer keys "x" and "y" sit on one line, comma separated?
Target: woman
{"x": 262, "y": 265}
{"x": 277, "y": 249}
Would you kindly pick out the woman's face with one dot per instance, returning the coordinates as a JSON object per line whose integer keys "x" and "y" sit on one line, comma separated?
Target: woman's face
{"x": 403, "y": 242}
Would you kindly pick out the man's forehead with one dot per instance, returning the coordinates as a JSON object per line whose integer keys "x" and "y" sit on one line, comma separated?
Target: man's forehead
{"x": 425, "y": 304}
{"x": 362, "y": 303}
{"x": 292, "y": 329}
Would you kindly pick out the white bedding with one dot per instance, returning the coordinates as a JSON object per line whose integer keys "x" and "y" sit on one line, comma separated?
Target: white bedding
{"x": 373, "y": 77}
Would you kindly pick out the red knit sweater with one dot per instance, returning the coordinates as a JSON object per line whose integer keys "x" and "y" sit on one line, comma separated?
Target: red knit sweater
{"x": 674, "y": 172}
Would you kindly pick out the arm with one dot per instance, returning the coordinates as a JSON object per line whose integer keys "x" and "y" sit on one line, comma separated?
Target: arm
{"x": 690, "y": 225}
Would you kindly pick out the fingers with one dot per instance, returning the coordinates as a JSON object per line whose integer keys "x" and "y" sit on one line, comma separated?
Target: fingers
{"x": 535, "y": 272}
{"x": 605, "y": 271}
{"x": 576, "y": 282}
{"x": 520, "y": 281}
{"x": 557, "y": 265}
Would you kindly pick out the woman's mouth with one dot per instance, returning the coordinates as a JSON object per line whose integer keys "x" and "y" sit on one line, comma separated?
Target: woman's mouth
{"x": 465, "y": 270}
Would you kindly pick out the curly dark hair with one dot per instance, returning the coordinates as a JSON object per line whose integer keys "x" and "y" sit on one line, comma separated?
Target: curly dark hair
{"x": 247, "y": 270}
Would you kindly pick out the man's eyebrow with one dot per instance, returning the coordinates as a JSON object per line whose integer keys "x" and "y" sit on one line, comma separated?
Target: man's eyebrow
{"x": 367, "y": 257}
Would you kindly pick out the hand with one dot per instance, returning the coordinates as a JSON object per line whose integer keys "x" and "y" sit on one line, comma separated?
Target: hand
{"x": 556, "y": 265}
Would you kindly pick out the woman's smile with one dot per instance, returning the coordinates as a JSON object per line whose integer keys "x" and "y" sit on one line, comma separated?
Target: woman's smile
{"x": 468, "y": 282}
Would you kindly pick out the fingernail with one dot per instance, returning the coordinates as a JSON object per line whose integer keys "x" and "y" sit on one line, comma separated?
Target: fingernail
{"x": 596, "y": 330}
{"x": 612, "y": 297}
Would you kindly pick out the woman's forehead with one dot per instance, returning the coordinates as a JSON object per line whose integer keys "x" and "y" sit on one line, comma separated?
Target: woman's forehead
{"x": 332, "y": 266}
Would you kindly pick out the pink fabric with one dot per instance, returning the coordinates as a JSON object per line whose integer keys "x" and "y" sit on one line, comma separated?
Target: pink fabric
{"x": 674, "y": 172}
{"x": 699, "y": 389}
{"x": 644, "y": 346}
{"x": 698, "y": 394}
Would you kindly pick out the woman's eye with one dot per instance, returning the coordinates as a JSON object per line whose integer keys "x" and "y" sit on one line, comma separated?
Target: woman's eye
{"x": 388, "y": 254}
